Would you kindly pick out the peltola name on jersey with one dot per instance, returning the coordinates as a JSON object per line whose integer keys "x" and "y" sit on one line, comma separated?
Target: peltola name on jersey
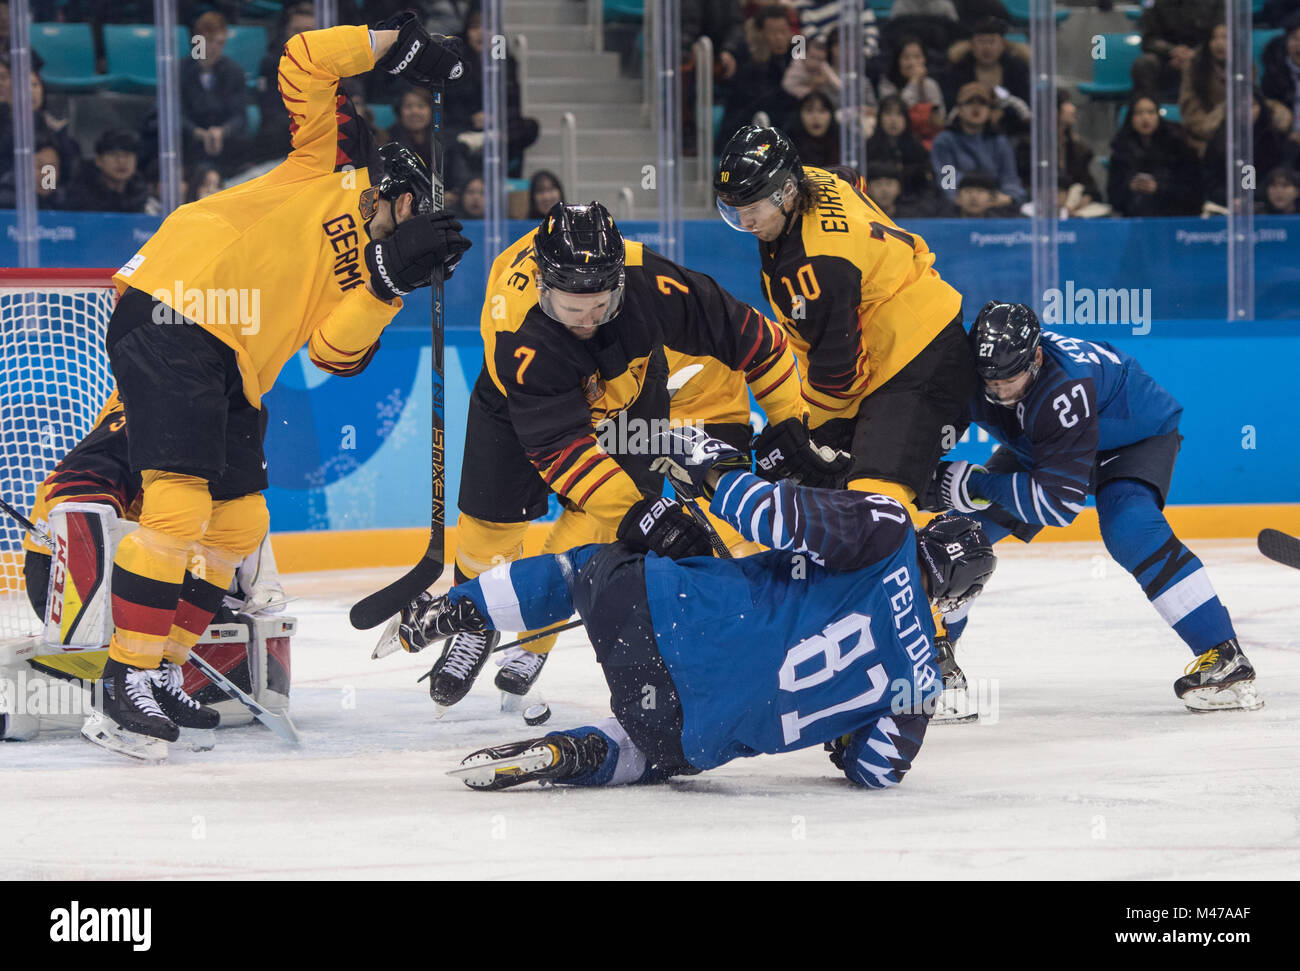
{"x": 102, "y": 924}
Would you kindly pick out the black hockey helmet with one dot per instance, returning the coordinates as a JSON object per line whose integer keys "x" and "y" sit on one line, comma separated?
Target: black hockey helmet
{"x": 579, "y": 250}
{"x": 755, "y": 165}
{"x": 1004, "y": 339}
{"x": 958, "y": 559}
{"x": 404, "y": 171}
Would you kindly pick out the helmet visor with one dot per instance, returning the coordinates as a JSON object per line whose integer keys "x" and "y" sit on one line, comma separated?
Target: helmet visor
{"x": 749, "y": 218}
{"x": 581, "y": 311}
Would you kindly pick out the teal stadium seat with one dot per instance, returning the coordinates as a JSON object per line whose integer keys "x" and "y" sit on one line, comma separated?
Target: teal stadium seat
{"x": 1019, "y": 10}
{"x": 624, "y": 10}
{"x": 1259, "y": 39}
{"x": 881, "y": 8}
{"x": 68, "y": 51}
{"x": 384, "y": 115}
{"x": 246, "y": 46}
{"x": 131, "y": 55}
{"x": 1110, "y": 74}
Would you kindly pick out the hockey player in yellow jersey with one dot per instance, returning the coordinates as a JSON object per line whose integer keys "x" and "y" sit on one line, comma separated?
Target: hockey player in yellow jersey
{"x": 316, "y": 252}
{"x": 575, "y": 325}
{"x": 877, "y": 331}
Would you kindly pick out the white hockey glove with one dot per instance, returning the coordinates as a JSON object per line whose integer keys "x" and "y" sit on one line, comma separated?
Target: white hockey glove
{"x": 687, "y": 455}
{"x": 952, "y": 480}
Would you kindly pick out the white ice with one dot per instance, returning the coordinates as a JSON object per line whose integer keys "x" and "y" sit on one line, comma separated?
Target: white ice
{"x": 1091, "y": 769}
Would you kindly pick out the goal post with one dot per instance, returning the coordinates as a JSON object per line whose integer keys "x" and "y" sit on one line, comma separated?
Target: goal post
{"x": 54, "y": 379}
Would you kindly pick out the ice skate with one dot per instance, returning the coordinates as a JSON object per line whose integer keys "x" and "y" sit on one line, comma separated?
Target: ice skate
{"x": 127, "y": 719}
{"x": 955, "y": 703}
{"x": 1221, "y": 679}
{"x": 520, "y": 669}
{"x": 549, "y": 759}
{"x": 197, "y": 722}
{"x": 462, "y": 660}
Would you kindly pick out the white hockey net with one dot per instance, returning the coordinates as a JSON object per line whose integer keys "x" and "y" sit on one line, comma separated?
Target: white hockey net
{"x": 54, "y": 379}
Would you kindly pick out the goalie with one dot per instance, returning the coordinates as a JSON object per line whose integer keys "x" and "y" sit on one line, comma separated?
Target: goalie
{"x": 84, "y": 507}
{"x": 316, "y": 252}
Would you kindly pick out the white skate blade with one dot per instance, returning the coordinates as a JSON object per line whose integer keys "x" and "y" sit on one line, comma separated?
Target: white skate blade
{"x": 102, "y": 731}
{"x": 955, "y": 706}
{"x": 388, "y": 640}
{"x": 439, "y": 711}
{"x": 513, "y": 704}
{"x": 199, "y": 739}
{"x": 1241, "y": 696}
{"x": 480, "y": 771}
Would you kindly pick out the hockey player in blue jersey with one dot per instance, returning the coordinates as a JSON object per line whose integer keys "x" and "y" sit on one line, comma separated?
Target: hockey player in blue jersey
{"x": 825, "y": 639}
{"x": 1076, "y": 417}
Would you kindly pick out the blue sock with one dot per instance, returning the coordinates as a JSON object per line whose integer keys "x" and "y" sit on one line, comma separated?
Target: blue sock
{"x": 1140, "y": 539}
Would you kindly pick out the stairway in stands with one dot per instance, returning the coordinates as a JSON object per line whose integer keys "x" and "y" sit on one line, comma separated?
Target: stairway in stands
{"x": 615, "y": 140}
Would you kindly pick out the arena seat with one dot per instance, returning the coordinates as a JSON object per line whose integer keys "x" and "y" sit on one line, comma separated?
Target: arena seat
{"x": 68, "y": 51}
{"x": 1110, "y": 74}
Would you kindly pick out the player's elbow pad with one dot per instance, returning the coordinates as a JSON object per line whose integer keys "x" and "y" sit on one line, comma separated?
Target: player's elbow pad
{"x": 344, "y": 368}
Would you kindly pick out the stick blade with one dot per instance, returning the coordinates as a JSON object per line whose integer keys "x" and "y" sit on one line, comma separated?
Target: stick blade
{"x": 382, "y": 604}
{"x": 1279, "y": 546}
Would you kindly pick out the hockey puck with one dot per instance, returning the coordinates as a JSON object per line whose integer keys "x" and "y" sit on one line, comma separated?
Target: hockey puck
{"x": 537, "y": 714}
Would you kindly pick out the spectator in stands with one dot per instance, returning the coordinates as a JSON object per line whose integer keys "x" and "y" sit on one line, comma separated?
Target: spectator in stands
{"x": 813, "y": 72}
{"x": 722, "y": 23}
{"x": 818, "y": 17}
{"x": 989, "y": 59}
{"x": 978, "y": 197}
{"x": 544, "y": 191}
{"x": 1281, "y": 80}
{"x": 203, "y": 180}
{"x": 213, "y": 118}
{"x": 464, "y": 105}
{"x": 1171, "y": 30}
{"x": 473, "y": 200}
{"x": 885, "y": 186}
{"x": 971, "y": 145}
{"x": 893, "y": 143}
{"x": 908, "y": 77}
{"x": 1202, "y": 97}
{"x": 355, "y": 89}
{"x": 50, "y": 190}
{"x": 50, "y": 120}
{"x": 414, "y": 116}
{"x": 1281, "y": 192}
{"x": 933, "y": 22}
{"x": 866, "y": 90}
{"x": 756, "y": 85}
{"x": 1270, "y": 122}
{"x": 1153, "y": 171}
{"x": 1073, "y": 155}
{"x": 815, "y": 135}
{"x": 272, "y": 140}
{"x": 111, "y": 183}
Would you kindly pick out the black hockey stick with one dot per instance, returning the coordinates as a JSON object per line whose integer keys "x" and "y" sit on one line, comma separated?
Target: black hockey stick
{"x": 379, "y": 606}
{"x": 1277, "y": 545}
{"x": 41, "y": 535}
{"x": 688, "y": 496}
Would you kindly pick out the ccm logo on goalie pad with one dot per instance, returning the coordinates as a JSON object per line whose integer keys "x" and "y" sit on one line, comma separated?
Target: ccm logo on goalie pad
{"x": 415, "y": 49}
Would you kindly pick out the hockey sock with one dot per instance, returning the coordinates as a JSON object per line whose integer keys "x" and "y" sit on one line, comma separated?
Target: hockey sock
{"x": 202, "y": 590}
{"x": 1140, "y": 539}
{"x": 624, "y": 763}
{"x": 481, "y": 545}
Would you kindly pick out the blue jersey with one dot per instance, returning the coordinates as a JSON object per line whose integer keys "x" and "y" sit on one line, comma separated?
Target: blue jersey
{"x": 1088, "y": 397}
{"x": 827, "y": 634}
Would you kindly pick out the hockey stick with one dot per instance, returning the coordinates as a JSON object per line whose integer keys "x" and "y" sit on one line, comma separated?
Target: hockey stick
{"x": 280, "y": 724}
{"x": 1277, "y": 545}
{"x": 41, "y": 535}
{"x": 689, "y": 498}
{"x": 379, "y": 606}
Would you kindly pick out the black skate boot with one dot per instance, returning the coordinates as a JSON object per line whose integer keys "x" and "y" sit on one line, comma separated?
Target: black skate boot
{"x": 195, "y": 721}
{"x": 127, "y": 718}
{"x": 462, "y": 660}
{"x": 1219, "y": 680}
{"x": 553, "y": 758}
{"x": 955, "y": 703}
{"x": 520, "y": 671}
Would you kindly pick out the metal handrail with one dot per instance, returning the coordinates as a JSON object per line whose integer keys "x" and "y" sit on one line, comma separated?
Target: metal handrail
{"x": 520, "y": 44}
{"x": 647, "y": 59}
{"x": 704, "y": 111}
{"x": 627, "y": 203}
{"x": 569, "y": 153}
{"x": 596, "y": 24}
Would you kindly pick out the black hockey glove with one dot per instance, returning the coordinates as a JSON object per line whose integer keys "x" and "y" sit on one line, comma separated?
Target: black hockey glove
{"x": 404, "y": 260}
{"x": 427, "y": 619}
{"x": 420, "y": 57}
{"x": 836, "y": 747}
{"x": 687, "y": 455}
{"x": 785, "y": 451}
{"x": 951, "y": 487}
{"x": 661, "y": 526}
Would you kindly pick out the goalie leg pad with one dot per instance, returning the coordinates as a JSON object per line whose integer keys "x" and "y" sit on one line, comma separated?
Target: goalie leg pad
{"x": 78, "y": 607}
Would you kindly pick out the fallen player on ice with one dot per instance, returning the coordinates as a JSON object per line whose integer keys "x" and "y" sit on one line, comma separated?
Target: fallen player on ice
{"x": 825, "y": 639}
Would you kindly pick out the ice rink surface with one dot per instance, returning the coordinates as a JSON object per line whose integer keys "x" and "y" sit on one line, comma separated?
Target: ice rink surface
{"x": 1091, "y": 768}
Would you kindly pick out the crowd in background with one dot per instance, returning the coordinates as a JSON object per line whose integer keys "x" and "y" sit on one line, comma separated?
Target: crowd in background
{"x": 945, "y": 101}
{"x": 946, "y": 104}
{"x": 118, "y": 171}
